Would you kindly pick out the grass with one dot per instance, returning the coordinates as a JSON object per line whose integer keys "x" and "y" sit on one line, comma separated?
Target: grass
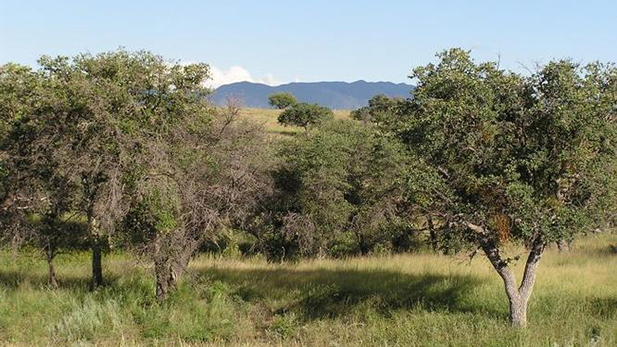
{"x": 268, "y": 117}
{"x": 403, "y": 300}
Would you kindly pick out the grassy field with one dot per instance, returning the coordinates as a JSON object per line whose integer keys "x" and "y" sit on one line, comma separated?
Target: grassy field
{"x": 268, "y": 117}
{"x": 406, "y": 300}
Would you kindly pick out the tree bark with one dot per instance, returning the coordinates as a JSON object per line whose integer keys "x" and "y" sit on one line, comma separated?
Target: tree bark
{"x": 518, "y": 311}
{"x": 51, "y": 278}
{"x": 162, "y": 272}
{"x": 563, "y": 246}
{"x": 167, "y": 273}
{"x": 97, "y": 267}
{"x": 170, "y": 264}
{"x": 97, "y": 254}
{"x": 517, "y": 297}
{"x": 432, "y": 234}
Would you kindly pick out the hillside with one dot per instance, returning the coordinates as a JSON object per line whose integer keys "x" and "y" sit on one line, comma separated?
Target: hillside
{"x": 336, "y": 95}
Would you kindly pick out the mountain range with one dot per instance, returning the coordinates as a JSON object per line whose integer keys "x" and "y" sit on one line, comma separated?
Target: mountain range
{"x": 336, "y": 95}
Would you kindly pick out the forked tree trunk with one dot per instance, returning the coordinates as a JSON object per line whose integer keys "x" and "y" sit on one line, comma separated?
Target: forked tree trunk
{"x": 518, "y": 296}
{"x": 97, "y": 254}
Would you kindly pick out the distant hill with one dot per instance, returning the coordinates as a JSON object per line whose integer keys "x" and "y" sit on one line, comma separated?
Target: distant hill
{"x": 336, "y": 95}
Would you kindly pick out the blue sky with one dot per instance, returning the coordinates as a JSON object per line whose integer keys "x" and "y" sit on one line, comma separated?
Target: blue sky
{"x": 281, "y": 41}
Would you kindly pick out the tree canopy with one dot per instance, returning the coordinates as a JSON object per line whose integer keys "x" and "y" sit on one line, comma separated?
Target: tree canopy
{"x": 304, "y": 115}
{"x": 339, "y": 192}
{"x": 514, "y": 159}
{"x": 281, "y": 100}
{"x": 123, "y": 149}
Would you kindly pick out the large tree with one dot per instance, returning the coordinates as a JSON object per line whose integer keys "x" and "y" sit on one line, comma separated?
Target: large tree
{"x": 207, "y": 172}
{"x": 514, "y": 159}
{"x": 90, "y": 116}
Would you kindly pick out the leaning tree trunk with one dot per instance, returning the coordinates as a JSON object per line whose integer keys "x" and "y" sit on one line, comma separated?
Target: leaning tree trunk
{"x": 518, "y": 297}
{"x": 96, "y": 246}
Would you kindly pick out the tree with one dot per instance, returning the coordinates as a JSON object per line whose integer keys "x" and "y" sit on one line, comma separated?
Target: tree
{"x": 39, "y": 197}
{"x": 17, "y": 84}
{"x": 127, "y": 138}
{"x": 140, "y": 99}
{"x": 206, "y": 172}
{"x": 513, "y": 159}
{"x": 281, "y": 100}
{"x": 339, "y": 192}
{"x": 89, "y": 117}
{"x": 304, "y": 115}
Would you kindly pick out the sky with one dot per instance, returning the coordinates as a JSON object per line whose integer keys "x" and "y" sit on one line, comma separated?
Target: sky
{"x": 277, "y": 41}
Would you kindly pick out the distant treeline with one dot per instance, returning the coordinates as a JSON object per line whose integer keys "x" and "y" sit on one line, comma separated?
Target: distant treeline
{"x": 123, "y": 151}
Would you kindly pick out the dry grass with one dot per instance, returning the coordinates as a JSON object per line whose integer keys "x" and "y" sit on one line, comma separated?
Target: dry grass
{"x": 268, "y": 117}
{"x": 403, "y": 300}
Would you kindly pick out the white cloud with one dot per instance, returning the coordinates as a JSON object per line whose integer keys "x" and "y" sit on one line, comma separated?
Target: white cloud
{"x": 233, "y": 74}
{"x": 270, "y": 80}
{"x": 237, "y": 74}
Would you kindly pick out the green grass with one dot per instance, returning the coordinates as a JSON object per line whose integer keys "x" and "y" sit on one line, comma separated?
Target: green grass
{"x": 405, "y": 300}
{"x": 268, "y": 118}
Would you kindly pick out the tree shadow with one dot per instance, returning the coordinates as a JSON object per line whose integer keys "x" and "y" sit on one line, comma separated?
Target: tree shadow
{"x": 605, "y": 308}
{"x": 286, "y": 133}
{"x": 324, "y": 293}
{"x": 13, "y": 280}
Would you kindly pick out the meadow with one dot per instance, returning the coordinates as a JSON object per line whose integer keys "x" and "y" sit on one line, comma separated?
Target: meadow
{"x": 420, "y": 299}
{"x": 159, "y": 185}
{"x": 268, "y": 118}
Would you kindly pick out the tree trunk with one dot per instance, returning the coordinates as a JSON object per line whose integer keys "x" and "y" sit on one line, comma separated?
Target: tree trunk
{"x": 169, "y": 264}
{"x": 167, "y": 273}
{"x": 517, "y": 297}
{"x": 162, "y": 272}
{"x": 518, "y": 311}
{"x": 181, "y": 262}
{"x": 97, "y": 254}
{"x": 161, "y": 287}
{"x": 563, "y": 246}
{"x": 51, "y": 278}
{"x": 432, "y": 234}
{"x": 97, "y": 267}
